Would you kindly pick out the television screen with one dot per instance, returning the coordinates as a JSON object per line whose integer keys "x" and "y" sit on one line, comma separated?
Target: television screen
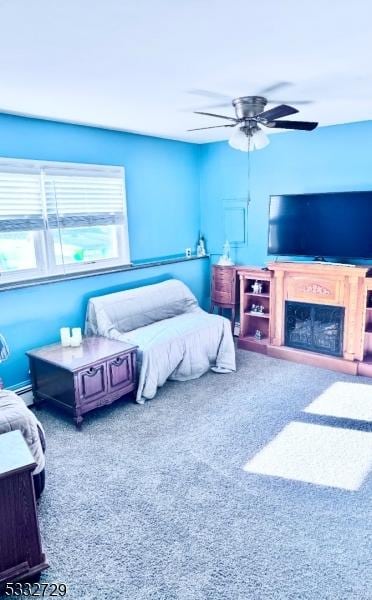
{"x": 337, "y": 224}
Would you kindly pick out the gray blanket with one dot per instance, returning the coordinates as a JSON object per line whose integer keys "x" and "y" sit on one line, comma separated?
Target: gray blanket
{"x": 176, "y": 338}
{"x": 14, "y": 414}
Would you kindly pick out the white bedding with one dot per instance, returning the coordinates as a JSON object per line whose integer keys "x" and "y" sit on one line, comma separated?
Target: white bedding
{"x": 14, "y": 414}
{"x": 182, "y": 346}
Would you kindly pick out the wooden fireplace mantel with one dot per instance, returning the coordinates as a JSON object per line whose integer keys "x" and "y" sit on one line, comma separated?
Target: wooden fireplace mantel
{"x": 327, "y": 284}
{"x": 263, "y": 294}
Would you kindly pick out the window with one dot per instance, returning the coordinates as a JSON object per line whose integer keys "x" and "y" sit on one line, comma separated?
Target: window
{"x": 60, "y": 218}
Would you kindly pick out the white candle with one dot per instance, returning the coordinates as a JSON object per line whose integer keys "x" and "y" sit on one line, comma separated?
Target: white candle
{"x": 76, "y": 337}
{"x": 65, "y": 336}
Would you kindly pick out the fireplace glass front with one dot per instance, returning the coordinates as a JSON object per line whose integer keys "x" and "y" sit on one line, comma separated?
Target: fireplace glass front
{"x": 314, "y": 327}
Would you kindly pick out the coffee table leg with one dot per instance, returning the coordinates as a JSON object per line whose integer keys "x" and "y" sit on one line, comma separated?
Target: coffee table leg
{"x": 38, "y": 402}
{"x": 78, "y": 419}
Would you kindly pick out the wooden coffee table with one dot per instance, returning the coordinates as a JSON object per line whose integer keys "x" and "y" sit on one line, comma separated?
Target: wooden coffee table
{"x": 81, "y": 379}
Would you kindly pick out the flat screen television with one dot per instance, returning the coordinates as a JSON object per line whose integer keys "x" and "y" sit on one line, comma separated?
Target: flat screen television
{"x": 334, "y": 225}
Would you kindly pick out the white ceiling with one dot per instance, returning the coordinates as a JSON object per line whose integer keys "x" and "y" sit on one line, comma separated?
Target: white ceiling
{"x": 129, "y": 64}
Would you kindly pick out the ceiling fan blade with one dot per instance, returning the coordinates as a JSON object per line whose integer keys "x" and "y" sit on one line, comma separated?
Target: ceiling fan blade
{"x": 208, "y": 114}
{"x": 275, "y": 86}
{"x": 211, "y": 127}
{"x": 218, "y": 105}
{"x": 198, "y": 108}
{"x": 283, "y": 110}
{"x": 208, "y": 94}
{"x": 304, "y": 125}
{"x": 270, "y": 101}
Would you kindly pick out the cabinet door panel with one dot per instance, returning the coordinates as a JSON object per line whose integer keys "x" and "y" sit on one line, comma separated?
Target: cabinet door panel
{"x": 120, "y": 372}
{"x": 92, "y": 382}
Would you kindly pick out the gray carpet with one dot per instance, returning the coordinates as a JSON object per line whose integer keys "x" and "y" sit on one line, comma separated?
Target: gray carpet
{"x": 153, "y": 503}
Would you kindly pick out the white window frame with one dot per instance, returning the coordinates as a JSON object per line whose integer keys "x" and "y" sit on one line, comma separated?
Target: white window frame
{"x": 44, "y": 245}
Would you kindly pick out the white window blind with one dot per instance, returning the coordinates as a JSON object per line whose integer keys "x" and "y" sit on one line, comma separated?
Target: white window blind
{"x": 21, "y": 205}
{"x": 60, "y": 218}
{"x": 80, "y": 200}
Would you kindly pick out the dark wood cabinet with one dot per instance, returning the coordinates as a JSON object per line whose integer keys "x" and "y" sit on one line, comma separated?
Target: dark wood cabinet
{"x": 21, "y": 555}
{"x": 81, "y": 379}
{"x": 224, "y": 290}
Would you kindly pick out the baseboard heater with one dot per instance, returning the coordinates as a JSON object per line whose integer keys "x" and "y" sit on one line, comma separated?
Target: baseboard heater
{"x": 24, "y": 390}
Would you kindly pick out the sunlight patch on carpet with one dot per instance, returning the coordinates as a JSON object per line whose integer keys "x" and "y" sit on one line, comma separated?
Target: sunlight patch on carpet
{"x": 317, "y": 454}
{"x": 344, "y": 399}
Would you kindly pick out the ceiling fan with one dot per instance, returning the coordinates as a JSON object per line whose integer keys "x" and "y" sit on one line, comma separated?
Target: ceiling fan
{"x": 251, "y": 117}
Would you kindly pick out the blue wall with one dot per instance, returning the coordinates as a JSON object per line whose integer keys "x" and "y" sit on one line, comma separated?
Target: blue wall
{"x": 31, "y": 317}
{"x": 162, "y": 185}
{"x": 328, "y": 159}
{"x": 162, "y": 178}
{"x": 173, "y": 188}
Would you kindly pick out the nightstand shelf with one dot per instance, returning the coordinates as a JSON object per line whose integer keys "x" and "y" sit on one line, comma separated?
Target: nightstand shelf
{"x": 257, "y": 295}
{"x": 365, "y": 366}
{"x": 252, "y": 321}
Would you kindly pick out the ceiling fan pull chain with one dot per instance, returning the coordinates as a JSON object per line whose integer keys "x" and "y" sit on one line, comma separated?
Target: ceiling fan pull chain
{"x": 249, "y": 170}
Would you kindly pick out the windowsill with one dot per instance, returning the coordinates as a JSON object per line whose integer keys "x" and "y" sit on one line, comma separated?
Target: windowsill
{"x": 144, "y": 264}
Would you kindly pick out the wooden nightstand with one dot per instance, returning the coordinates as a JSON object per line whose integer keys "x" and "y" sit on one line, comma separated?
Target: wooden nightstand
{"x": 224, "y": 290}
{"x": 21, "y": 555}
{"x": 81, "y": 379}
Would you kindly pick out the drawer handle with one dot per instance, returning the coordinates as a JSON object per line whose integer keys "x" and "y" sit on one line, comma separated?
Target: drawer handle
{"x": 118, "y": 360}
{"x": 91, "y": 371}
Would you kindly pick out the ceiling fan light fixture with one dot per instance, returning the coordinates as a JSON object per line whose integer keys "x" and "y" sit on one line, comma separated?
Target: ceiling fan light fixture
{"x": 239, "y": 139}
{"x": 260, "y": 139}
{"x": 246, "y": 140}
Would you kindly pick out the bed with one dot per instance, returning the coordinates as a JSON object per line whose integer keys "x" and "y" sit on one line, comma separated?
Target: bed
{"x": 176, "y": 338}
